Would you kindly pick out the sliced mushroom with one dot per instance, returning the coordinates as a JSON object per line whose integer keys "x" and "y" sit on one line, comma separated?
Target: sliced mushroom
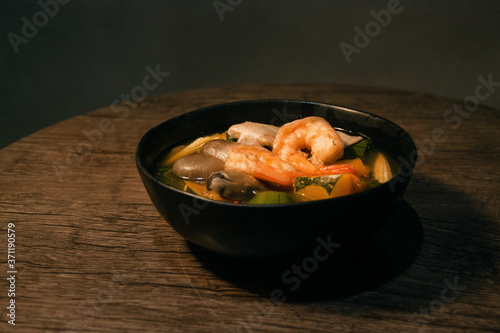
{"x": 197, "y": 166}
{"x": 249, "y": 133}
{"x": 234, "y": 185}
{"x": 217, "y": 148}
{"x": 348, "y": 139}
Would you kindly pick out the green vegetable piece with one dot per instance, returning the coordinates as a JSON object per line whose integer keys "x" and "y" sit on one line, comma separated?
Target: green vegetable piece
{"x": 359, "y": 149}
{"x": 190, "y": 190}
{"x": 271, "y": 198}
{"x": 165, "y": 175}
{"x": 327, "y": 182}
{"x": 370, "y": 181}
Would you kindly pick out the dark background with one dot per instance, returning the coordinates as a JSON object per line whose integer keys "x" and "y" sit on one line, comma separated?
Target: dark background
{"x": 90, "y": 52}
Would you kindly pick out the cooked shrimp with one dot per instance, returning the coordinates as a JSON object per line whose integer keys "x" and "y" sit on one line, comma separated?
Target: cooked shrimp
{"x": 249, "y": 133}
{"x": 314, "y": 134}
{"x": 262, "y": 164}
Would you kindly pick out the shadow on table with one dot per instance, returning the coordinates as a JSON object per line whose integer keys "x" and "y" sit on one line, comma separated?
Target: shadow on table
{"x": 461, "y": 245}
{"x": 350, "y": 269}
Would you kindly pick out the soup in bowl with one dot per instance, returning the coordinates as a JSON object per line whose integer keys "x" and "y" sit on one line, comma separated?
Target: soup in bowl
{"x": 266, "y": 178}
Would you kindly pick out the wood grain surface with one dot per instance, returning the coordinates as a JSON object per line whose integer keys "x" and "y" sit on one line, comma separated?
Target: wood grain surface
{"x": 93, "y": 255}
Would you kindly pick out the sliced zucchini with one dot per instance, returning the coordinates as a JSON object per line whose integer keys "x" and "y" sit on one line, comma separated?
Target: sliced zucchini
{"x": 326, "y": 181}
{"x": 311, "y": 193}
{"x": 347, "y": 184}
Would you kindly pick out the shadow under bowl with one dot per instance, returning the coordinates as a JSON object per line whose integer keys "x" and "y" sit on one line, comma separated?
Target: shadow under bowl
{"x": 263, "y": 231}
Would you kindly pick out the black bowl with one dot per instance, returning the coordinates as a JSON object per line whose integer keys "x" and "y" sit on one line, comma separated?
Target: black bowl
{"x": 257, "y": 231}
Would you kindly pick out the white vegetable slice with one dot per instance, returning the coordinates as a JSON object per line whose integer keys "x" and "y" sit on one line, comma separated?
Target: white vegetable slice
{"x": 381, "y": 168}
{"x": 191, "y": 148}
{"x": 249, "y": 133}
{"x": 349, "y": 140}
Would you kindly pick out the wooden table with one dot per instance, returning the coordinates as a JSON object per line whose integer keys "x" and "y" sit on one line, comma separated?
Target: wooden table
{"x": 93, "y": 255}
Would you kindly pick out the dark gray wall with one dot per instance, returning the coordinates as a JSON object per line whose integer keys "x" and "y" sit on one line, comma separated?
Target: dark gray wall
{"x": 91, "y": 52}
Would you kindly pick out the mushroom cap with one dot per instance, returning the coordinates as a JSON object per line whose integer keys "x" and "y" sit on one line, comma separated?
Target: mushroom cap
{"x": 197, "y": 166}
{"x": 234, "y": 185}
{"x": 217, "y": 148}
